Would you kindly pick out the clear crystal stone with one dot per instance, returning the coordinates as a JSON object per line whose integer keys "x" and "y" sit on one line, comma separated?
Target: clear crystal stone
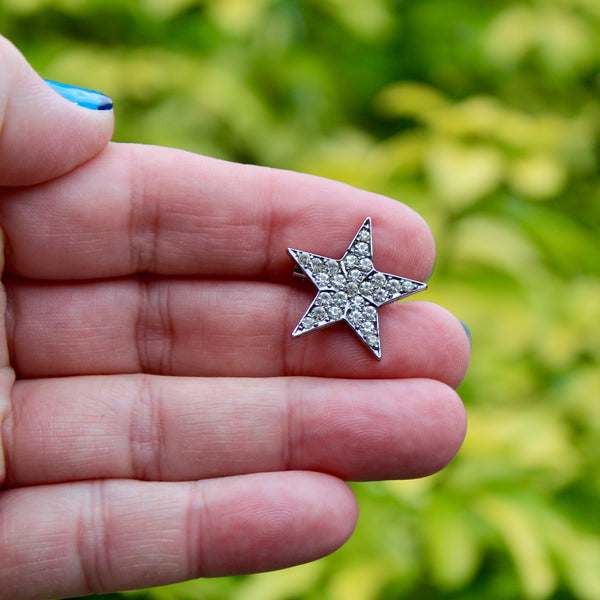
{"x": 355, "y": 317}
{"x": 321, "y": 279}
{"x": 366, "y": 287}
{"x": 380, "y": 295}
{"x": 361, "y": 248}
{"x": 373, "y": 340}
{"x": 357, "y": 301}
{"x": 370, "y": 312}
{"x": 394, "y": 286}
{"x": 307, "y": 322}
{"x": 364, "y": 235}
{"x": 324, "y": 299}
{"x": 332, "y": 266}
{"x": 316, "y": 265}
{"x": 303, "y": 258}
{"x": 352, "y": 288}
{"x": 335, "y": 312}
{"x": 340, "y": 298}
{"x": 318, "y": 314}
{"x": 338, "y": 282}
{"x": 379, "y": 279}
{"x": 408, "y": 286}
{"x": 355, "y": 275}
{"x": 368, "y": 326}
{"x": 351, "y": 261}
{"x": 365, "y": 264}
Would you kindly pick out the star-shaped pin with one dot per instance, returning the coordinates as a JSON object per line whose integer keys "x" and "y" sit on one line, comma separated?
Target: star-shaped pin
{"x": 351, "y": 289}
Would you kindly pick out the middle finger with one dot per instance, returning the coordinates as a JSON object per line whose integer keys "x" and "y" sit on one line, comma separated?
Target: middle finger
{"x": 210, "y": 328}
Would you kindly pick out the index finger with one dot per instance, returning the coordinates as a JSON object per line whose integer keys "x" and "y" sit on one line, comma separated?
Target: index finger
{"x": 142, "y": 209}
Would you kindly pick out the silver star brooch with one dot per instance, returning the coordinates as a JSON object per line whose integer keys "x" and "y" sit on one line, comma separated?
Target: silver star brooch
{"x": 351, "y": 289}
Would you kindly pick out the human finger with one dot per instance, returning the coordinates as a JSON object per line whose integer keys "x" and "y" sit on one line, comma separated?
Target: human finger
{"x": 163, "y": 211}
{"x": 102, "y": 536}
{"x": 181, "y": 429}
{"x": 210, "y": 328}
{"x": 42, "y": 134}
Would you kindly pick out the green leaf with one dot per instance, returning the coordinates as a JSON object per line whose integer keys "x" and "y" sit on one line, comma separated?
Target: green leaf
{"x": 524, "y": 543}
{"x": 452, "y": 546}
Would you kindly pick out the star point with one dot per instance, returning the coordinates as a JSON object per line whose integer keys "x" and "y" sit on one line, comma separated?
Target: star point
{"x": 350, "y": 289}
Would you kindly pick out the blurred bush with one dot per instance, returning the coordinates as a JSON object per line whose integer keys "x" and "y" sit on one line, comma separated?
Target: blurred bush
{"x": 485, "y": 117}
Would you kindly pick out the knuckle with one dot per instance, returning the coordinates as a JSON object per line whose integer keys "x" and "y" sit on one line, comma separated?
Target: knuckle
{"x": 146, "y": 431}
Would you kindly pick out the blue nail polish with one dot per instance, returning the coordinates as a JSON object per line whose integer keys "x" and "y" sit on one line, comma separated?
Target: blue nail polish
{"x": 430, "y": 272}
{"x": 81, "y": 96}
{"x": 466, "y": 330}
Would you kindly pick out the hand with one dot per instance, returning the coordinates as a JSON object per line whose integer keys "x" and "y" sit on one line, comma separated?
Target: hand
{"x": 163, "y": 424}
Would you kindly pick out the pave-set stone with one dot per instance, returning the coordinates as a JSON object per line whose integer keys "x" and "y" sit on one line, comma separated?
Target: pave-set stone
{"x": 351, "y": 289}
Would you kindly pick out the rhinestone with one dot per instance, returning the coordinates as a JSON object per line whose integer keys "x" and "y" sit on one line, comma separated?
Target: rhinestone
{"x": 338, "y": 282}
{"x": 316, "y": 265}
{"x": 394, "y": 286}
{"x": 370, "y": 312}
{"x": 323, "y": 299}
{"x": 362, "y": 248}
{"x": 335, "y": 312}
{"x": 318, "y": 314}
{"x": 355, "y": 316}
{"x": 373, "y": 340}
{"x": 332, "y": 266}
{"x": 352, "y": 288}
{"x": 378, "y": 279}
{"x": 379, "y": 295}
{"x": 366, "y": 287}
{"x": 321, "y": 279}
{"x": 368, "y": 326}
{"x": 351, "y": 261}
{"x": 340, "y": 298}
{"x": 365, "y": 264}
{"x": 307, "y": 322}
{"x": 303, "y": 258}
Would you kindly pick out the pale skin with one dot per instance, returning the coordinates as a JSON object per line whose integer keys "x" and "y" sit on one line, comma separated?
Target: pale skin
{"x": 158, "y": 421}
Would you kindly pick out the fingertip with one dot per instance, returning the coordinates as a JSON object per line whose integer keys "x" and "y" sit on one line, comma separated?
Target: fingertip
{"x": 84, "y": 97}
{"x": 332, "y": 525}
{"x": 42, "y": 133}
{"x": 414, "y": 430}
{"x": 467, "y": 331}
{"x": 448, "y": 342}
{"x": 436, "y": 426}
{"x": 287, "y": 519}
{"x": 465, "y": 349}
{"x": 344, "y": 506}
{"x": 452, "y": 428}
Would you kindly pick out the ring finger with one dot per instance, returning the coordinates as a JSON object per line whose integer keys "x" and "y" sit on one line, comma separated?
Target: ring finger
{"x": 167, "y": 428}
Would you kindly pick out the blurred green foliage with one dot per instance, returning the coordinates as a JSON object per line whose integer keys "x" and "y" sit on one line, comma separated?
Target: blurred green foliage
{"x": 485, "y": 117}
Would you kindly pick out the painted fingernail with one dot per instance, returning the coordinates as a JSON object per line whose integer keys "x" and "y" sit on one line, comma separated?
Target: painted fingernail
{"x": 466, "y": 330}
{"x": 430, "y": 274}
{"x": 81, "y": 96}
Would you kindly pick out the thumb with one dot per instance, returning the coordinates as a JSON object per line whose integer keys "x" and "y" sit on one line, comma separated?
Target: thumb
{"x": 44, "y": 134}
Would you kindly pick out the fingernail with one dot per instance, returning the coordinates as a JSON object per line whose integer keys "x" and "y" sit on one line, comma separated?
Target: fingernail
{"x": 466, "y": 330}
{"x": 81, "y": 96}
{"x": 430, "y": 273}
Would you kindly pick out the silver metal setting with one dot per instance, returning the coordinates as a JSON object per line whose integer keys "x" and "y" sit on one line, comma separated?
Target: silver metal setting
{"x": 350, "y": 289}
